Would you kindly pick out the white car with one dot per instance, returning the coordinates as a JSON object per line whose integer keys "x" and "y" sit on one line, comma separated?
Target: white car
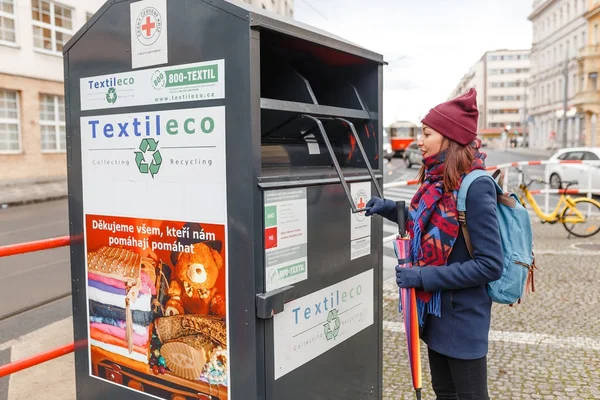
{"x": 574, "y": 172}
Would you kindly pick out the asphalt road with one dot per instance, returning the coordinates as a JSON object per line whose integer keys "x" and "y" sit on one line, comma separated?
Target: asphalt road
{"x": 33, "y": 279}
{"x": 28, "y": 282}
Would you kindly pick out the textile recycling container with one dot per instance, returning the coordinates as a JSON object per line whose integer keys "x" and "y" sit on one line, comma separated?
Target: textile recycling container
{"x": 219, "y": 161}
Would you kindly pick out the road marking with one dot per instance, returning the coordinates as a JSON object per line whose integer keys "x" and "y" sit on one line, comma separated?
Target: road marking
{"x": 566, "y": 253}
{"x": 53, "y": 327}
{"x": 9, "y": 344}
{"x": 32, "y": 382}
{"x": 537, "y": 339}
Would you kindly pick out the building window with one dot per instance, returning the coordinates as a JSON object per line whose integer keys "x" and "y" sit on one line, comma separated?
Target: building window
{"x": 505, "y": 111}
{"x": 9, "y": 122}
{"x": 8, "y": 32}
{"x": 52, "y": 25}
{"x": 504, "y": 98}
{"x": 595, "y": 34}
{"x": 52, "y": 123}
{"x": 560, "y": 17}
{"x": 593, "y": 81}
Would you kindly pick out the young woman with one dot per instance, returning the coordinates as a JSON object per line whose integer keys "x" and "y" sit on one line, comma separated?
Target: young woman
{"x": 453, "y": 304}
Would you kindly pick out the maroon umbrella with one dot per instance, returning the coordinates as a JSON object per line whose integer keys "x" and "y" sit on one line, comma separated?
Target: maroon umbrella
{"x": 408, "y": 302}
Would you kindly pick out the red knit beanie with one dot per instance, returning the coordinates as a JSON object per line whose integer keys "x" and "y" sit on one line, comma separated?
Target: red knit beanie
{"x": 456, "y": 119}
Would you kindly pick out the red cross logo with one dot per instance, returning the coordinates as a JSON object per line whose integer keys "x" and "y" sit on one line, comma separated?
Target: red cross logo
{"x": 148, "y": 26}
{"x": 361, "y": 203}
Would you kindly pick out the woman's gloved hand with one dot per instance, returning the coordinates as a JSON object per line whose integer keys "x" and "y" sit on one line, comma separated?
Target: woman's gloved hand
{"x": 408, "y": 277}
{"x": 384, "y": 207}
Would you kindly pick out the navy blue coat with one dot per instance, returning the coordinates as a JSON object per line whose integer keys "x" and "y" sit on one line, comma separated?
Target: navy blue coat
{"x": 463, "y": 329}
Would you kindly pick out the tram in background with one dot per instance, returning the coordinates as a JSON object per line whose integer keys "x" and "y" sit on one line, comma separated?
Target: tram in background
{"x": 402, "y": 133}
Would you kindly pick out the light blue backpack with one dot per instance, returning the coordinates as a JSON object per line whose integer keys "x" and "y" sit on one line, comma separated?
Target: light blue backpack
{"x": 517, "y": 241}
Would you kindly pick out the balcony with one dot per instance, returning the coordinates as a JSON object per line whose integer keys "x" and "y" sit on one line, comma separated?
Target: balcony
{"x": 588, "y": 100}
{"x": 588, "y": 52}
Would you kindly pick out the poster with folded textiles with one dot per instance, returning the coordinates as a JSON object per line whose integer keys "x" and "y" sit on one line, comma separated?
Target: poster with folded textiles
{"x": 157, "y": 304}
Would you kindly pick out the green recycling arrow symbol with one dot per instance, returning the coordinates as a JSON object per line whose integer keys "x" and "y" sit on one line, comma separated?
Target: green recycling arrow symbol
{"x": 111, "y": 95}
{"x": 332, "y": 319}
{"x": 148, "y": 145}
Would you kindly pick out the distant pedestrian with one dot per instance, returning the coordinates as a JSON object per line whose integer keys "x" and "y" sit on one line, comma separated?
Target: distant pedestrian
{"x": 453, "y": 304}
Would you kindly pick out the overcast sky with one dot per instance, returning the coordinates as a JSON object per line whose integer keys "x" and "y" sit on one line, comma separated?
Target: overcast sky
{"x": 429, "y": 44}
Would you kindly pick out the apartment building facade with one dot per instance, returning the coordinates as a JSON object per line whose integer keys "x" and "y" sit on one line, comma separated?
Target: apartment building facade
{"x": 559, "y": 33}
{"x": 500, "y": 78}
{"x": 475, "y": 78}
{"x": 587, "y": 99}
{"x": 32, "y": 122}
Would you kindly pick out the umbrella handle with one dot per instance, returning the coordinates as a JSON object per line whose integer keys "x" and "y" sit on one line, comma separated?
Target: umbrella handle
{"x": 400, "y": 210}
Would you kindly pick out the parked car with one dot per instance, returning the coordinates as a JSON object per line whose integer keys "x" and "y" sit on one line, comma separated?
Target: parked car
{"x": 574, "y": 172}
{"x": 388, "y": 152}
{"x": 412, "y": 155}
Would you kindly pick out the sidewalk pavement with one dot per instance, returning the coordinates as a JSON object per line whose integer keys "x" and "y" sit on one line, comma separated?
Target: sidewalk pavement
{"x": 23, "y": 192}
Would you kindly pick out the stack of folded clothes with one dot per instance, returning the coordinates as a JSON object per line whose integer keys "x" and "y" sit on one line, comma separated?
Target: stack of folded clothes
{"x": 120, "y": 295}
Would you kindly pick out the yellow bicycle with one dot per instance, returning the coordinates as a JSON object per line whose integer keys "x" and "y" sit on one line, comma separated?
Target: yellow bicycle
{"x": 580, "y": 216}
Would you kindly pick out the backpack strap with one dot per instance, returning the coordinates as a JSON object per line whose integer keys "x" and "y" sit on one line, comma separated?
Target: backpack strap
{"x": 461, "y": 203}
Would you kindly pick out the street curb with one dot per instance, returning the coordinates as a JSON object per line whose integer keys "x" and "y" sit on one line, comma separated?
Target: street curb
{"x": 22, "y": 202}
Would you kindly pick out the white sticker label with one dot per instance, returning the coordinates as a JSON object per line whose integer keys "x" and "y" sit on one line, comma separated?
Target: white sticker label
{"x": 360, "y": 225}
{"x": 286, "y": 248}
{"x": 174, "y": 160}
{"x": 313, "y": 145}
{"x": 314, "y": 324}
{"x": 149, "y": 45}
{"x": 178, "y": 83}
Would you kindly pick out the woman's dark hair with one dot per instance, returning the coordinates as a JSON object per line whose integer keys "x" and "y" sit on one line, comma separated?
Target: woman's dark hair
{"x": 459, "y": 160}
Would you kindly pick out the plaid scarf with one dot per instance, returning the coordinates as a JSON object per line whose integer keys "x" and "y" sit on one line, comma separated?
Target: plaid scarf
{"x": 433, "y": 223}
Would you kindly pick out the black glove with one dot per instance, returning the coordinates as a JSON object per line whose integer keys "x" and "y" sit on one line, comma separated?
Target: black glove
{"x": 408, "y": 277}
{"x": 384, "y": 207}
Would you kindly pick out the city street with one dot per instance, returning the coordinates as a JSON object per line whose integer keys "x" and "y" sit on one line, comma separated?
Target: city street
{"x": 215, "y": 150}
{"x": 38, "y": 286}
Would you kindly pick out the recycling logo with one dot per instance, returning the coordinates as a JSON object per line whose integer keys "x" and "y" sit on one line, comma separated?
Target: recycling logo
{"x": 148, "y": 145}
{"x": 332, "y": 326}
{"x": 111, "y": 95}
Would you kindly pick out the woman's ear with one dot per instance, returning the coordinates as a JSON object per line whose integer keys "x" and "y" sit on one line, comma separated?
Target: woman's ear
{"x": 445, "y": 144}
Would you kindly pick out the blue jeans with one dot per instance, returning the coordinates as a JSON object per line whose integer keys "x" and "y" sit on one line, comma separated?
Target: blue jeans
{"x": 454, "y": 379}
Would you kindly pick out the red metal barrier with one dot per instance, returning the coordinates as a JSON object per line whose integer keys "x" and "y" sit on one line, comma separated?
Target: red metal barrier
{"x": 20, "y": 365}
{"x": 29, "y": 247}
